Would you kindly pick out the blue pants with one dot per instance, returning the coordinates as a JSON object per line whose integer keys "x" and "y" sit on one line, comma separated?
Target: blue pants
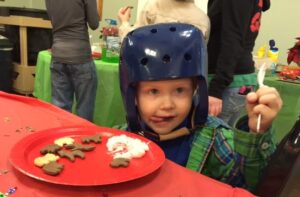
{"x": 79, "y": 80}
{"x": 233, "y": 105}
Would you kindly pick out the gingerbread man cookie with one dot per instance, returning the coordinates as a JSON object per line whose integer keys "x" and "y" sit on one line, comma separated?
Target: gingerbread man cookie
{"x": 119, "y": 162}
{"x": 71, "y": 154}
{"x": 88, "y": 139}
{"x": 51, "y": 148}
{"x": 81, "y": 147}
{"x": 53, "y": 168}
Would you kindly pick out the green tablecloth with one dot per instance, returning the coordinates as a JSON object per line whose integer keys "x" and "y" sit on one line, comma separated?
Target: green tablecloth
{"x": 109, "y": 110}
{"x": 290, "y": 94}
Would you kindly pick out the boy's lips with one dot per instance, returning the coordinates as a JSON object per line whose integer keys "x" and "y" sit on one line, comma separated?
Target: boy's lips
{"x": 161, "y": 119}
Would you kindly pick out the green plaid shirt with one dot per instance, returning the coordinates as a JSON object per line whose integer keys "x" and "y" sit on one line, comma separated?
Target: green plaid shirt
{"x": 234, "y": 156}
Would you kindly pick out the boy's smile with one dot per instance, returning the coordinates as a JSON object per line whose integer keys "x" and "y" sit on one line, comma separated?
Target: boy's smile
{"x": 163, "y": 105}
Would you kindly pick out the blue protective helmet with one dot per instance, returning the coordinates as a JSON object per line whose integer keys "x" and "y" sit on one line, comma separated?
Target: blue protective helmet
{"x": 161, "y": 52}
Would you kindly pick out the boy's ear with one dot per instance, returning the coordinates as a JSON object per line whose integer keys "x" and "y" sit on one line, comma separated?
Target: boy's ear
{"x": 196, "y": 87}
{"x": 195, "y": 91}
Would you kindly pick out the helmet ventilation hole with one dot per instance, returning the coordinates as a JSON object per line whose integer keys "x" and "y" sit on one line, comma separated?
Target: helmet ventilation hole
{"x": 144, "y": 61}
{"x": 153, "y": 31}
{"x": 172, "y": 29}
{"x": 187, "y": 57}
{"x": 166, "y": 59}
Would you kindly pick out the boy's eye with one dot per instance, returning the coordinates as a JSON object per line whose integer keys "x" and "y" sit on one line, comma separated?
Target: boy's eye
{"x": 180, "y": 90}
{"x": 153, "y": 91}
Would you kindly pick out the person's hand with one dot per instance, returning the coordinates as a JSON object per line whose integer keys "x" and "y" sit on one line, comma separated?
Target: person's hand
{"x": 265, "y": 101}
{"x": 214, "y": 106}
{"x": 124, "y": 14}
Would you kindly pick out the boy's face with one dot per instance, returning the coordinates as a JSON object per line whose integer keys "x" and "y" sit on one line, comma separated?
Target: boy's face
{"x": 163, "y": 105}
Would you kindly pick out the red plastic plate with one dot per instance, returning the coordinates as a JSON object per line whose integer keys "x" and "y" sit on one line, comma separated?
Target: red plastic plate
{"x": 94, "y": 169}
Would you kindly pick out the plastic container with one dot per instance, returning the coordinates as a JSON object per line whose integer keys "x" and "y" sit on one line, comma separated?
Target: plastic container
{"x": 111, "y": 42}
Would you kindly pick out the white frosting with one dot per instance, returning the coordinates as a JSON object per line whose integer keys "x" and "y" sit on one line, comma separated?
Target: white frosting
{"x": 126, "y": 147}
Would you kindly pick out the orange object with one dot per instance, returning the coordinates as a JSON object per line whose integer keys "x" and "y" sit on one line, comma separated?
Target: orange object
{"x": 290, "y": 72}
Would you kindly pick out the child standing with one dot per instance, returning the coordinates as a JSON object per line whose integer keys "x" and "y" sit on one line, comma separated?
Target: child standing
{"x": 164, "y": 90}
{"x": 163, "y": 11}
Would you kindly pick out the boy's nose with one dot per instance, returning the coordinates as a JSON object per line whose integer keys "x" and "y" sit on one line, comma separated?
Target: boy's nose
{"x": 167, "y": 103}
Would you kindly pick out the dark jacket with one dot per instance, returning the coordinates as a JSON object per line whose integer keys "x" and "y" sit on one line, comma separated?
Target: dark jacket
{"x": 234, "y": 28}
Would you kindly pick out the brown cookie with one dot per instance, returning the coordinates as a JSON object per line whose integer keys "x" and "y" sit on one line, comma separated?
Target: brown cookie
{"x": 66, "y": 154}
{"x": 51, "y": 148}
{"x": 88, "y": 139}
{"x": 53, "y": 168}
{"x": 78, "y": 153}
{"x": 119, "y": 162}
{"x": 81, "y": 147}
{"x": 71, "y": 154}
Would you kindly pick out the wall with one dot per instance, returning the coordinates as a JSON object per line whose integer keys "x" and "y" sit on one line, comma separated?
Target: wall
{"x": 38, "y": 4}
{"x": 16, "y": 3}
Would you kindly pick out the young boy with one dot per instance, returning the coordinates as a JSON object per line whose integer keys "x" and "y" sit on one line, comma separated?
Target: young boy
{"x": 165, "y": 95}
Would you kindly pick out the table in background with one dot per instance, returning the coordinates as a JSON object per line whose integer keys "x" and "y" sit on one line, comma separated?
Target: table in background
{"x": 23, "y": 82}
{"x": 290, "y": 94}
{"x": 18, "y": 113}
{"x": 109, "y": 109}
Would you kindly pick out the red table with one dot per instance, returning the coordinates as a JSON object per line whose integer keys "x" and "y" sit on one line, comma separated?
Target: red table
{"x": 20, "y": 116}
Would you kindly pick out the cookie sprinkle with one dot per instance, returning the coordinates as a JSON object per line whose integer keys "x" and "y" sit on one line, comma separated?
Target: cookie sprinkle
{"x": 10, "y": 191}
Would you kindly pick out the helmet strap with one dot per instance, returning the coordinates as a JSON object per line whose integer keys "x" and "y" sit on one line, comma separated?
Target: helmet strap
{"x": 164, "y": 137}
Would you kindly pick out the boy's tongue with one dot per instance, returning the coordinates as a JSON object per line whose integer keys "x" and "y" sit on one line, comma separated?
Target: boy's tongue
{"x": 161, "y": 118}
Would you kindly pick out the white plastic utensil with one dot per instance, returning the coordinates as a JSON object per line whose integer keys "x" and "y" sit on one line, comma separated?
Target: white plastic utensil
{"x": 260, "y": 80}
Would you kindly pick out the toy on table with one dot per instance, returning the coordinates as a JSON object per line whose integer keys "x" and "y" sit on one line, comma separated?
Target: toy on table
{"x": 273, "y": 55}
{"x": 261, "y": 52}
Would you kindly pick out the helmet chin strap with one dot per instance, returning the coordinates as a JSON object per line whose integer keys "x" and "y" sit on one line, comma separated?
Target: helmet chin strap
{"x": 164, "y": 137}
{"x": 175, "y": 134}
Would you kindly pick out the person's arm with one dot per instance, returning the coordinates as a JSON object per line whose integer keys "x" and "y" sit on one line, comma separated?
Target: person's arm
{"x": 125, "y": 14}
{"x": 235, "y": 24}
{"x": 253, "y": 152}
{"x": 234, "y": 156}
{"x": 92, "y": 14}
{"x": 256, "y": 146}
